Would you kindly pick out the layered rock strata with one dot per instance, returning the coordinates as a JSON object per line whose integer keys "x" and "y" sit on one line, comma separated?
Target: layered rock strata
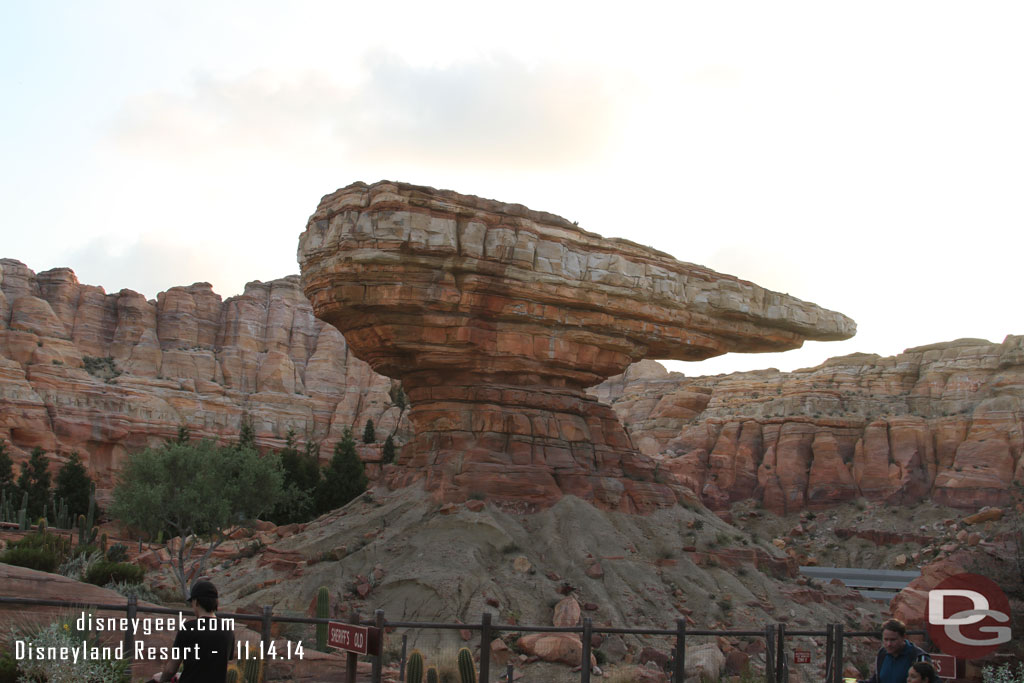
{"x": 496, "y": 318}
{"x": 944, "y": 421}
{"x": 105, "y": 374}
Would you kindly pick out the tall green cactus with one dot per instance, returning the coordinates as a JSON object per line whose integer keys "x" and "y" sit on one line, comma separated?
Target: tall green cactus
{"x": 252, "y": 671}
{"x": 323, "y": 601}
{"x": 467, "y": 671}
{"x": 23, "y": 513}
{"x": 5, "y": 508}
{"x": 432, "y": 676}
{"x": 414, "y": 672}
{"x": 232, "y": 676}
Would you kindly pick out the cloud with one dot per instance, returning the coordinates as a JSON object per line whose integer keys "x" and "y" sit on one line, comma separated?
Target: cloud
{"x": 496, "y": 112}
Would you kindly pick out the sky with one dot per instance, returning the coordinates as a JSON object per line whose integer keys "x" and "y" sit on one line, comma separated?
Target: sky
{"x": 868, "y": 156}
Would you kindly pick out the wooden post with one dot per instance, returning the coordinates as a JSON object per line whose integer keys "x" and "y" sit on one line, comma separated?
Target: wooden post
{"x": 839, "y": 652}
{"x": 129, "y": 633}
{"x": 351, "y": 659}
{"x": 378, "y": 664}
{"x": 587, "y": 633}
{"x": 680, "y": 671}
{"x": 485, "y": 648}
{"x": 769, "y": 653}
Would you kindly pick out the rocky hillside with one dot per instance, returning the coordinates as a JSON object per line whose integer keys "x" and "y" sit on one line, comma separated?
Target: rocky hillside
{"x": 105, "y": 374}
{"x": 943, "y": 421}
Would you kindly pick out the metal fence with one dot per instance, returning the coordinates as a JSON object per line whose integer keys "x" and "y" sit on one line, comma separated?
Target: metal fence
{"x": 776, "y": 637}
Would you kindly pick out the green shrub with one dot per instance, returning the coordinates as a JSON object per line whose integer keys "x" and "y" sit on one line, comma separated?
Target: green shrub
{"x": 104, "y": 572}
{"x": 118, "y": 552}
{"x": 43, "y": 559}
{"x": 8, "y": 669}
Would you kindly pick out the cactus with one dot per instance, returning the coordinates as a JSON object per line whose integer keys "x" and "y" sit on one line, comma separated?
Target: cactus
{"x": 252, "y": 671}
{"x": 467, "y": 671}
{"x": 5, "y": 508}
{"x": 41, "y": 525}
{"x": 103, "y": 542}
{"x": 81, "y": 529}
{"x": 232, "y": 676}
{"x": 432, "y": 676}
{"x": 323, "y": 598}
{"x": 23, "y": 513}
{"x": 90, "y": 519}
{"x": 414, "y": 672}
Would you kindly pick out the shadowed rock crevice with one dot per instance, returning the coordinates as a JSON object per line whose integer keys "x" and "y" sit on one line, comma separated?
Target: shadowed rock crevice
{"x": 496, "y": 318}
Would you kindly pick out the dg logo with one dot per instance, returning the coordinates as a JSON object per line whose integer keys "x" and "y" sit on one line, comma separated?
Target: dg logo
{"x": 968, "y": 616}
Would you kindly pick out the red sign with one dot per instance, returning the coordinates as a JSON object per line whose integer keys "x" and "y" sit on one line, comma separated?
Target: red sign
{"x": 945, "y": 665}
{"x": 968, "y": 616}
{"x": 362, "y": 640}
{"x": 802, "y": 656}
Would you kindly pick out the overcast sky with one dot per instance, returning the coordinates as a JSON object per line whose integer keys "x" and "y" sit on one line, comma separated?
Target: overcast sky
{"x": 867, "y": 156}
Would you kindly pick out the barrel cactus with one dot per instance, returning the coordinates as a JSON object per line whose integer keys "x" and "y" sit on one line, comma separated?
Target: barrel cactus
{"x": 467, "y": 671}
{"x": 323, "y": 598}
{"x": 432, "y": 676}
{"x": 414, "y": 672}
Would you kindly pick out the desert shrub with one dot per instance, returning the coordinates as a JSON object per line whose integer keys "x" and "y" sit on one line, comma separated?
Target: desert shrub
{"x": 118, "y": 552}
{"x": 8, "y": 669}
{"x": 1003, "y": 674}
{"x": 139, "y": 590}
{"x": 42, "y": 559}
{"x": 104, "y": 572}
{"x": 62, "y": 634}
{"x": 80, "y": 562}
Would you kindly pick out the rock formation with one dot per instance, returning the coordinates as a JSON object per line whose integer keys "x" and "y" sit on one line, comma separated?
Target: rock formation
{"x": 105, "y": 374}
{"x": 496, "y": 318}
{"x": 944, "y": 421}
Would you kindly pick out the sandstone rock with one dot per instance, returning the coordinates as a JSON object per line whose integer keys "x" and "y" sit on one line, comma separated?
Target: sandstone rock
{"x": 521, "y": 564}
{"x": 564, "y": 648}
{"x": 496, "y": 318}
{"x": 595, "y": 571}
{"x": 566, "y": 613}
{"x": 187, "y": 358}
{"x": 989, "y": 515}
{"x": 940, "y": 421}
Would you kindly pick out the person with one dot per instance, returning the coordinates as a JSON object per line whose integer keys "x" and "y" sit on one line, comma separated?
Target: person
{"x": 892, "y": 664}
{"x": 205, "y": 644}
{"x": 922, "y": 672}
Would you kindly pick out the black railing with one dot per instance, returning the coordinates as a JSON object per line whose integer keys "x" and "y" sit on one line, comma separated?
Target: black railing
{"x": 774, "y": 635}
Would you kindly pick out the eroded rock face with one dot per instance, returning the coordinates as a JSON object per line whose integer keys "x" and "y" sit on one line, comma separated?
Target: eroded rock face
{"x": 105, "y": 374}
{"x": 496, "y": 318}
{"x": 944, "y": 421}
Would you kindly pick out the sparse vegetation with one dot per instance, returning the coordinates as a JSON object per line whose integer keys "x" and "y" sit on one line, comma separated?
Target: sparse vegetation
{"x": 101, "y": 368}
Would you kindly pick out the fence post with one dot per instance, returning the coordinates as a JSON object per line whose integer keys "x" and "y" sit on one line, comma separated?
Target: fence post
{"x": 680, "y": 670}
{"x": 839, "y": 652}
{"x": 509, "y": 673}
{"x": 587, "y": 634}
{"x": 351, "y": 658}
{"x": 378, "y": 664}
{"x": 265, "y": 630}
{"x": 485, "y": 648}
{"x": 780, "y": 654}
{"x": 129, "y": 633}
{"x": 829, "y": 653}
{"x": 769, "y": 653}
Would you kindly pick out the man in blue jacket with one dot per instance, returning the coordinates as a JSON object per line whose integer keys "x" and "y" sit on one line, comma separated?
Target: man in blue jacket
{"x": 896, "y": 655}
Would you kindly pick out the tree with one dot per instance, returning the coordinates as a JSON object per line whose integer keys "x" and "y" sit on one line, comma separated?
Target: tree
{"x": 196, "y": 491}
{"x": 74, "y": 486}
{"x": 301, "y": 477}
{"x": 369, "y": 433}
{"x": 246, "y": 435}
{"x": 35, "y": 480}
{"x": 344, "y": 478}
{"x": 387, "y": 456}
{"x": 6, "y": 472}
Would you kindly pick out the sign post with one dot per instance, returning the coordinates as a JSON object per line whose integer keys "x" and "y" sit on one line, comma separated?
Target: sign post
{"x": 945, "y": 665}
{"x": 354, "y": 639}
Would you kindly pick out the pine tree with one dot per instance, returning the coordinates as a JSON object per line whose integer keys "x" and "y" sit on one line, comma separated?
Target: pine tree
{"x": 6, "y": 472}
{"x": 35, "y": 480}
{"x": 246, "y": 434}
{"x": 301, "y": 476}
{"x": 369, "y": 433}
{"x": 388, "y": 454}
{"x": 344, "y": 478}
{"x": 74, "y": 486}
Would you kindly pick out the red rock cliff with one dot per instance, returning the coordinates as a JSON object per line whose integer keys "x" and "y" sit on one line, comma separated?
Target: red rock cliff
{"x": 944, "y": 421}
{"x": 187, "y": 358}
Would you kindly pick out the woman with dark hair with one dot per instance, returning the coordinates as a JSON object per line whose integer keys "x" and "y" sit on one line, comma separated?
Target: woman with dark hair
{"x": 922, "y": 672}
